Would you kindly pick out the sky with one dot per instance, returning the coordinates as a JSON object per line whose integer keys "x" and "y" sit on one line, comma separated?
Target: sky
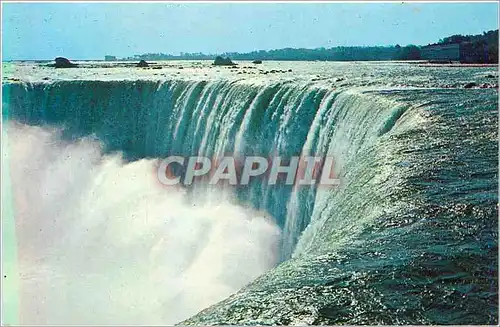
{"x": 92, "y": 30}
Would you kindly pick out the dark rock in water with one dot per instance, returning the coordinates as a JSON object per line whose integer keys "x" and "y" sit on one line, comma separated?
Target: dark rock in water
{"x": 257, "y": 62}
{"x": 142, "y": 63}
{"x": 441, "y": 62}
{"x": 220, "y": 61}
{"x": 490, "y": 76}
{"x": 62, "y": 62}
{"x": 470, "y": 85}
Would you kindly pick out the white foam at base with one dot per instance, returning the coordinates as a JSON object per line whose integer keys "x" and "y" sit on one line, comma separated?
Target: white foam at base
{"x": 100, "y": 241}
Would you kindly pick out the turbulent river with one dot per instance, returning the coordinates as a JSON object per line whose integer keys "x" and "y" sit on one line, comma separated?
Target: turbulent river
{"x": 408, "y": 237}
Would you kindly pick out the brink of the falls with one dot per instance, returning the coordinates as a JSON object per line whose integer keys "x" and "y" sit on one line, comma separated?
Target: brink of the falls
{"x": 408, "y": 237}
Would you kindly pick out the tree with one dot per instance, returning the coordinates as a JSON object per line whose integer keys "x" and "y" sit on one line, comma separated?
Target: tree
{"x": 410, "y": 52}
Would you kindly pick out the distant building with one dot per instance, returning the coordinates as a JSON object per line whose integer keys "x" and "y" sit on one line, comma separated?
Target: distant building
{"x": 445, "y": 52}
{"x": 109, "y": 58}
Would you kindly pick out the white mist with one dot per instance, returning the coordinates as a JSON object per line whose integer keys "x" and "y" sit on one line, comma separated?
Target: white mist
{"x": 100, "y": 241}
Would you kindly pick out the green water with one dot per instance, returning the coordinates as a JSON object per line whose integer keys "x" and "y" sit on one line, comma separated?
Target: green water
{"x": 410, "y": 236}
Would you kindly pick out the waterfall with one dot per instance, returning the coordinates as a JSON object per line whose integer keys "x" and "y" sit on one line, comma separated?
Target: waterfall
{"x": 413, "y": 165}
{"x": 147, "y": 119}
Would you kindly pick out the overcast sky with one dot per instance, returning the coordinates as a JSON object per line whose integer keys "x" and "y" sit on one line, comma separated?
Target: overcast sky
{"x": 89, "y": 31}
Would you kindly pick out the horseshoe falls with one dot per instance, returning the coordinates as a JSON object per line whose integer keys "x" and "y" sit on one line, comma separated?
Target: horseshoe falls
{"x": 410, "y": 236}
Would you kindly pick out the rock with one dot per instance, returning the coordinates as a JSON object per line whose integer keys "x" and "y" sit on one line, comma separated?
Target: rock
{"x": 440, "y": 62}
{"x": 257, "y": 62}
{"x": 490, "y": 76}
{"x": 219, "y": 61}
{"x": 62, "y": 62}
{"x": 142, "y": 63}
{"x": 469, "y": 85}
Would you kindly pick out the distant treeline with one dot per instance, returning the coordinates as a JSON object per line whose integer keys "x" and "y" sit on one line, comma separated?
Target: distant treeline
{"x": 487, "y": 40}
{"x": 323, "y": 54}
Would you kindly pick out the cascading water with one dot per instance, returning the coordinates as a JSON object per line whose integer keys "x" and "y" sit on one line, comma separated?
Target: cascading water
{"x": 189, "y": 118}
{"x": 100, "y": 241}
{"x": 349, "y": 254}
